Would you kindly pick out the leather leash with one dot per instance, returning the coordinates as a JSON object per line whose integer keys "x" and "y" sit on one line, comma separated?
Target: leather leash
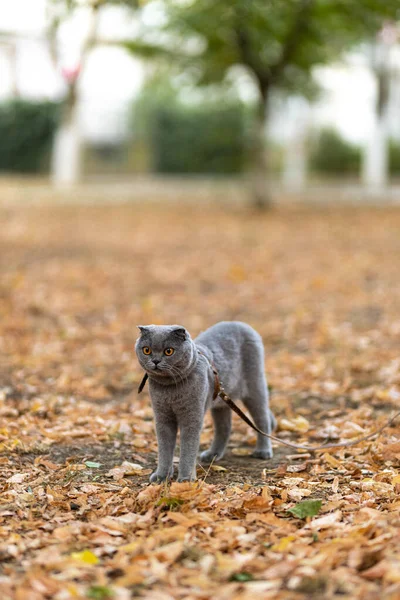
{"x": 220, "y": 392}
{"x": 228, "y": 400}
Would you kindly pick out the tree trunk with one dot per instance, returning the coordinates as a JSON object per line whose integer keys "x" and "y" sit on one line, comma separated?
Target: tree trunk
{"x": 66, "y": 168}
{"x": 375, "y": 172}
{"x": 295, "y": 157}
{"x": 13, "y": 54}
{"x": 67, "y": 149}
{"x": 376, "y": 155}
{"x": 259, "y": 177}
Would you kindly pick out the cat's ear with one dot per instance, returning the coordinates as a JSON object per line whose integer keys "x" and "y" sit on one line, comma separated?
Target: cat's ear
{"x": 180, "y": 332}
{"x": 142, "y": 328}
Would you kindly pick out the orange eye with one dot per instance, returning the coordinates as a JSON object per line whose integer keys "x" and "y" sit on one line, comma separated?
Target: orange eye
{"x": 169, "y": 351}
{"x": 146, "y": 350}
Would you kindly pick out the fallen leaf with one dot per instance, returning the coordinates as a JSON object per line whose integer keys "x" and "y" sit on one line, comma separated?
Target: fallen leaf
{"x": 283, "y": 544}
{"x": 299, "y": 424}
{"x": 326, "y": 521}
{"x": 86, "y": 556}
{"x": 307, "y": 508}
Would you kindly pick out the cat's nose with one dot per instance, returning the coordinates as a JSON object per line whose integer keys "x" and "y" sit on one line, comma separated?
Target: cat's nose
{"x": 156, "y": 361}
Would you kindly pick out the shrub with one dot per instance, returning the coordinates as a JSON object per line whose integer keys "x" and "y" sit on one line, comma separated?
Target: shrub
{"x": 26, "y": 134}
{"x": 394, "y": 157}
{"x": 198, "y": 140}
{"x": 172, "y": 136}
{"x": 333, "y": 155}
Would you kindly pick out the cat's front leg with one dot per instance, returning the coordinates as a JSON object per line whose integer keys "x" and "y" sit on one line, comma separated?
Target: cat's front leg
{"x": 190, "y": 442}
{"x": 166, "y": 428}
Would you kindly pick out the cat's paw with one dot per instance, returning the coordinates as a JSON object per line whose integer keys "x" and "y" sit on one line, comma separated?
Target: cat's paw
{"x": 208, "y": 457}
{"x": 181, "y": 479}
{"x": 262, "y": 454}
{"x": 157, "y": 478}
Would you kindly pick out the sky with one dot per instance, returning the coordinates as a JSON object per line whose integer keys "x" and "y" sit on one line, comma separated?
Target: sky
{"x": 112, "y": 77}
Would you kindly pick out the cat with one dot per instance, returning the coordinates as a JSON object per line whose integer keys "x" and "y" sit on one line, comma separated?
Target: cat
{"x": 182, "y": 386}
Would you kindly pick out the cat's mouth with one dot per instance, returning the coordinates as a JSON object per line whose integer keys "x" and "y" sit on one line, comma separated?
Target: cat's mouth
{"x": 156, "y": 369}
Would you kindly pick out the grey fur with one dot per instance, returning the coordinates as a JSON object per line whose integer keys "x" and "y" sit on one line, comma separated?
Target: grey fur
{"x": 182, "y": 386}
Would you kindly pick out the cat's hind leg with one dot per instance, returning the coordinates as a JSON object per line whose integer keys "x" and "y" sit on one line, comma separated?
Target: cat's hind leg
{"x": 222, "y": 417}
{"x": 256, "y": 402}
{"x": 274, "y": 423}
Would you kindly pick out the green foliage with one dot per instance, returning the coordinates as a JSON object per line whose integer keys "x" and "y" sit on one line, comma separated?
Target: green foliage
{"x": 243, "y": 577}
{"x": 394, "y": 157}
{"x": 306, "y": 508}
{"x": 206, "y": 136}
{"x": 26, "y": 134}
{"x": 198, "y": 140}
{"x": 170, "y": 503}
{"x": 100, "y": 592}
{"x": 277, "y": 42}
{"x": 333, "y": 155}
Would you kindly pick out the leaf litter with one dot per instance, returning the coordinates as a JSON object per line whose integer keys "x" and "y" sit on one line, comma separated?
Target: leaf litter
{"x": 77, "y": 516}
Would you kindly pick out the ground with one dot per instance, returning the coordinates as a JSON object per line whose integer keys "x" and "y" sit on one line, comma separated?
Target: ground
{"x": 77, "y": 516}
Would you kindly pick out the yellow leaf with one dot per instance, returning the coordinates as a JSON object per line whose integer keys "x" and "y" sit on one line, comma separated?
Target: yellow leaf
{"x": 296, "y": 424}
{"x": 72, "y": 590}
{"x": 132, "y": 547}
{"x": 396, "y": 479}
{"x": 283, "y": 543}
{"x": 36, "y": 406}
{"x": 237, "y": 273}
{"x": 86, "y": 556}
{"x": 241, "y": 451}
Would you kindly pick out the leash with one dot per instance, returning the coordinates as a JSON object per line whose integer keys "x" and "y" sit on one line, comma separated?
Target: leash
{"x": 219, "y": 392}
{"x": 228, "y": 400}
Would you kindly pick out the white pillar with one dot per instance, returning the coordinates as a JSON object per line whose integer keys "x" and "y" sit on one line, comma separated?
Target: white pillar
{"x": 295, "y": 153}
{"x": 375, "y": 172}
{"x": 67, "y": 152}
{"x": 375, "y": 168}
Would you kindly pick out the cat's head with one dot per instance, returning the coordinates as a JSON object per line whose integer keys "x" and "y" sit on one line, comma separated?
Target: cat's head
{"x": 164, "y": 350}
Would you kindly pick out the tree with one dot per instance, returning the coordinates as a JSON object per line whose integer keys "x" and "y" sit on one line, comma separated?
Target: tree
{"x": 67, "y": 147}
{"x": 277, "y": 42}
{"x": 376, "y": 152}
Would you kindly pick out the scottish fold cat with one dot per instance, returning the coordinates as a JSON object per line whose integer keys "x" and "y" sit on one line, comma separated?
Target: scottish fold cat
{"x": 182, "y": 387}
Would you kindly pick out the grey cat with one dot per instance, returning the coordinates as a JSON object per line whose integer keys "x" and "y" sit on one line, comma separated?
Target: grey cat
{"x": 182, "y": 385}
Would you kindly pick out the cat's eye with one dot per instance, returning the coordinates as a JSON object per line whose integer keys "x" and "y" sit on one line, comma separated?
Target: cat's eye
{"x": 146, "y": 350}
{"x": 169, "y": 351}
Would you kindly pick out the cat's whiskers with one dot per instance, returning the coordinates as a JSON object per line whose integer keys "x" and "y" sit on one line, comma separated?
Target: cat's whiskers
{"x": 183, "y": 378}
{"x": 174, "y": 370}
{"x": 171, "y": 373}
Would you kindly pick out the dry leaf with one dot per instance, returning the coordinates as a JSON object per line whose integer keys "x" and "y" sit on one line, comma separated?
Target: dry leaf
{"x": 298, "y": 423}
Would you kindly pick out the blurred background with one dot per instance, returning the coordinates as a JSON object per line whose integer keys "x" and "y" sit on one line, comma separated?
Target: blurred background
{"x": 257, "y": 100}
